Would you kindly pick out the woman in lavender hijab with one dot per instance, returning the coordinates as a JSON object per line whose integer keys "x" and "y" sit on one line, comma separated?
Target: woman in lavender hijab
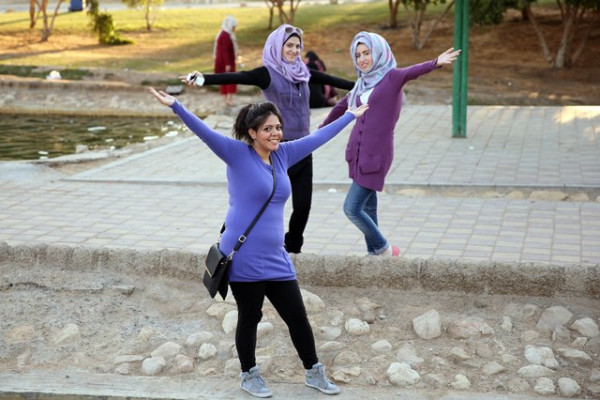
{"x": 284, "y": 80}
{"x": 370, "y": 148}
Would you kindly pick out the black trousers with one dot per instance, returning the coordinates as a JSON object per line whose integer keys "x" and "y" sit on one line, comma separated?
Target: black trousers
{"x": 285, "y": 297}
{"x": 301, "y": 179}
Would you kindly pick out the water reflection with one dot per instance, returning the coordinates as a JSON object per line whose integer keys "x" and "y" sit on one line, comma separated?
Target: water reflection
{"x": 34, "y": 137}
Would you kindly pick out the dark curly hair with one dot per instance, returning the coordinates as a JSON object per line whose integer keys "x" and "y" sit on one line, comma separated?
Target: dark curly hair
{"x": 253, "y": 116}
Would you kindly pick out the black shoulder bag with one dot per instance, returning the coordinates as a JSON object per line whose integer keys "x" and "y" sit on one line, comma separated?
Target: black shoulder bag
{"x": 216, "y": 275}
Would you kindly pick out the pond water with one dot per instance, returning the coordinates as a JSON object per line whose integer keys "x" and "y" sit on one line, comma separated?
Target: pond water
{"x": 35, "y": 137}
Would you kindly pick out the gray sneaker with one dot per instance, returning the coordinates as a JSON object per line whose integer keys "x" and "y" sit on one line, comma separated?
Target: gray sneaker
{"x": 254, "y": 384}
{"x": 316, "y": 378}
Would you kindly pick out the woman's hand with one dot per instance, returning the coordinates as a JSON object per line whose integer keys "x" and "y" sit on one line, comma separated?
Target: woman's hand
{"x": 161, "y": 96}
{"x": 447, "y": 57}
{"x": 191, "y": 78}
{"x": 359, "y": 111}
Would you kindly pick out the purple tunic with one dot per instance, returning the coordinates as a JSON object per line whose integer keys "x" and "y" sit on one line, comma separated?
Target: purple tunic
{"x": 249, "y": 183}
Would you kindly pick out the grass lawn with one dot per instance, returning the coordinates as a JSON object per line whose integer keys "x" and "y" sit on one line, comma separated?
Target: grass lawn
{"x": 181, "y": 40}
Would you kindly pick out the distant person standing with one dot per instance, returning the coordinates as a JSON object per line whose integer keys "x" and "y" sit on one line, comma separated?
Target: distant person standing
{"x": 225, "y": 52}
{"x": 321, "y": 95}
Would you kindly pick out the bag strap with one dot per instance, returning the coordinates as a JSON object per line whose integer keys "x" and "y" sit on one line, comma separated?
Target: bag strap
{"x": 243, "y": 237}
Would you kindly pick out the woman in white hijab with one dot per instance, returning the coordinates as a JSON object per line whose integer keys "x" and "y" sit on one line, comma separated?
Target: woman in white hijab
{"x": 225, "y": 52}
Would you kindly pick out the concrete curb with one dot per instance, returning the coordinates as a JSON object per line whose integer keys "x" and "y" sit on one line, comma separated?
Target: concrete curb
{"x": 532, "y": 279}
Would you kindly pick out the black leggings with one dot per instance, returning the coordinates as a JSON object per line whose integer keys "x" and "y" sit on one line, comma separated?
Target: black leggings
{"x": 285, "y": 297}
{"x": 301, "y": 179}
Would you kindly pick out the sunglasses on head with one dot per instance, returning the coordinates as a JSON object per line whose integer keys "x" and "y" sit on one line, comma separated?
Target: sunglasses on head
{"x": 292, "y": 29}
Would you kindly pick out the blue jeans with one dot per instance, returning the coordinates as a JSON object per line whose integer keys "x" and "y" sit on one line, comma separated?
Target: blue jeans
{"x": 360, "y": 207}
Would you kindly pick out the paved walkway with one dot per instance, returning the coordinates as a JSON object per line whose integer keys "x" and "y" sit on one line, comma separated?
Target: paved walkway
{"x": 522, "y": 187}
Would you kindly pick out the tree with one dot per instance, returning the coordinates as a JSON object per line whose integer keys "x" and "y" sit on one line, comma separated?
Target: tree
{"x": 573, "y": 14}
{"x": 103, "y": 25}
{"x": 415, "y": 13}
{"x": 42, "y": 6}
{"x": 150, "y": 8}
{"x": 284, "y": 18}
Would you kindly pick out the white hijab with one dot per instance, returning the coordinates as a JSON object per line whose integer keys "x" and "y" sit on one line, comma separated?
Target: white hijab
{"x": 227, "y": 26}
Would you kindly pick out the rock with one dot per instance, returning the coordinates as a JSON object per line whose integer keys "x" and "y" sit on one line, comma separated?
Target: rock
{"x": 263, "y": 329}
{"x": 579, "y": 343}
{"x": 401, "y": 374}
{"x": 436, "y": 381}
{"x": 594, "y": 375}
{"x": 198, "y": 338}
{"x": 568, "y": 387}
{"x": 575, "y": 356}
{"x": 184, "y": 364}
{"x": 522, "y": 312}
{"x": 548, "y": 195}
{"x": 127, "y": 290}
{"x": 554, "y": 316}
{"x": 347, "y": 358}
{"x": 331, "y": 346}
{"x": 356, "y": 327}
{"x": 407, "y": 354}
{"x": 493, "y": 368}
{"x": 530, "y": 336}
{"x": 206, "y": 351}
{"x": 428, "y": 325}
{"x": 535, "y": 371}
{"x": 507, "y": 324}
{"x": 381, "y": 347}
{"x": 461, "y": 382}
{"x": 365, "y": 304}
{"x": 586, "y": 327}
{"x": 232, "y": 368}
{"x": 346, "y": 374}
{"x": 544, "y": 386}
{"x": 541, "y": 356}
{"x": 146, "y": 333}
{"x": 458, "y": 354}
{"x": 68, "y": 334}
{"x": 312, "y": 302}
{"x": 218, "y": 310}
{"x": 166, "y": 350}
{"x": 23, "y": 333}
{"x": 230, "y": 321}
{"x": 128, "y": 359}
{"x": 123, "y": 369}
{"x": 483, "y": 350}
{"x": 469, "y": 327}
{"x": 509, "y": 359}
{"x": 153, "y": 366}
{"x": 330, "y": 332}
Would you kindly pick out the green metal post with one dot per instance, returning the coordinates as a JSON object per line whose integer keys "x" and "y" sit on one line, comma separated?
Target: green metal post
{"x": 460, "y": 71}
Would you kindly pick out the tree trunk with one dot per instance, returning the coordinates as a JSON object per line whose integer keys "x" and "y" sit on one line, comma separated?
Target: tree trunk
{"x": 32, "y": 17}
{"x": 147, "y": 15}
{"x": 562, "y": 56}
{"x": 393, "y": 6}
{"x": 579, "y": 50}
{"x": 433, "y": 25}
{"x": 270, "y": 6}
{"x": 540, "y": 34}
{"x": 48, "y": 27}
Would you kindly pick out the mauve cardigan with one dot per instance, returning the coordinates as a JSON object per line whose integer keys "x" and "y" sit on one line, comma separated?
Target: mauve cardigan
{"x": 370, "y": 148}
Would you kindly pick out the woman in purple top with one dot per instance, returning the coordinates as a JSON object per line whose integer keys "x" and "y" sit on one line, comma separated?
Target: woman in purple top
{"x": 262, "y": 267}
{"x": 284, "y": 80}
{"x": 370, "y": 148}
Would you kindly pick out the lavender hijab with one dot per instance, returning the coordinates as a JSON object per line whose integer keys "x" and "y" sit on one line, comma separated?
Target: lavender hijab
{"x": 383, "y": 62}
{"x": 296, "y": 71}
